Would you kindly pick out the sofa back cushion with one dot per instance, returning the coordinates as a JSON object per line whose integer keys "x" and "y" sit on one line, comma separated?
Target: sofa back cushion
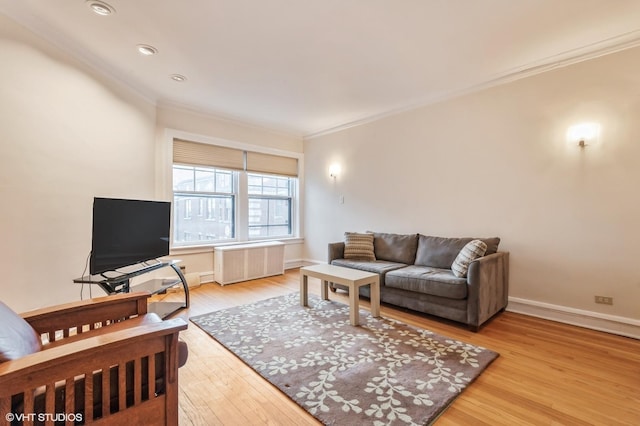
{"x": 398, "y": 248}
{"x": 439, "y": 252}
{"x": 17, "y": 338}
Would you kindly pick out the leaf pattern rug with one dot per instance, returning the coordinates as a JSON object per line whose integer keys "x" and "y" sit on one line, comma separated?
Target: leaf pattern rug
{"x": 383, "y": 372}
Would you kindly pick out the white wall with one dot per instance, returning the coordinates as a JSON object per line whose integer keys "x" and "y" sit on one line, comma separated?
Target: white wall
{"x": 69, "y": 134}
{"x": 66, "y": 135}
{"x": 496, "y": 163}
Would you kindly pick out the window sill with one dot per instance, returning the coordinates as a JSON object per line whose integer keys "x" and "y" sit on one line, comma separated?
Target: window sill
{"x": 208, "y": 248}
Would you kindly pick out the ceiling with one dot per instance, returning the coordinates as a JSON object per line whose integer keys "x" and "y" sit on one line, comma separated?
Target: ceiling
{"x": 304, "y": 67}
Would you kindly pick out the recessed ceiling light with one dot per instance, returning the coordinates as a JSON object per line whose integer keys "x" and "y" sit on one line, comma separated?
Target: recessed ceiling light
{"x": 146, "y": 50}
{"x": 178, "y": 77}
{"x": 101, "y": 8}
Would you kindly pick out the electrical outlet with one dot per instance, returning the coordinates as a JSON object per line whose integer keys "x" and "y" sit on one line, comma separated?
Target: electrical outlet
{"x": 604, "y": 300}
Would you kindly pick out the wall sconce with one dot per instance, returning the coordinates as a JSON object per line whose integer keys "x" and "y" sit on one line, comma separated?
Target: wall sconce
{"x": 334, "y": 170}
{"x": 584, "y": 134}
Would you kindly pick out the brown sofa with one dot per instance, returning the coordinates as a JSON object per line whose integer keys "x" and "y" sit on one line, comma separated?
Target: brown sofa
{"x": 415, "y": 273}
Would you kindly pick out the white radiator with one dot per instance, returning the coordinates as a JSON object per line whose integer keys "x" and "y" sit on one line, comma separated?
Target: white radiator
{"x": 244, "y": 262}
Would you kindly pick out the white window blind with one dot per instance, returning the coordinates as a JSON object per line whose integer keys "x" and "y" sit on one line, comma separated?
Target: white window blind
{"x": 200, "y": 154}
{"x": 274, "y": 164}
{"x": 194, "y": 153}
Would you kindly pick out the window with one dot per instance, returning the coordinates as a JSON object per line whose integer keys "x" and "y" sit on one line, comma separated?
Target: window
{"x": 270, "y": 202}
{"x": 222, "y": 194}
{"x": 212, "y": 190}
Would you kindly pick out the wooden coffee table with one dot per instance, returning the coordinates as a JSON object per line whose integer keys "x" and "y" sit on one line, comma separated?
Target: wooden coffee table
{"x": 351, "y": 278}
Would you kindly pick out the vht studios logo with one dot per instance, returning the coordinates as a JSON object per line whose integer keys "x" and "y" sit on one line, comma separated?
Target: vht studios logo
{"x": 43, "y": 417}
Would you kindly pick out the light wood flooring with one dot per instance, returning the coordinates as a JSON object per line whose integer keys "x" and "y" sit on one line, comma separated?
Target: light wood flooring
{"x": 547, "y": 373}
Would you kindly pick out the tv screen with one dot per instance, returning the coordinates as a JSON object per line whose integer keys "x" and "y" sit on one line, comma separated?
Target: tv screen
{"x": 126, "y": 232}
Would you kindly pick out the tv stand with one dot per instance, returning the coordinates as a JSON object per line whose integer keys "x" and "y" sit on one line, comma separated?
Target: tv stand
{"x": 120, "y": 282}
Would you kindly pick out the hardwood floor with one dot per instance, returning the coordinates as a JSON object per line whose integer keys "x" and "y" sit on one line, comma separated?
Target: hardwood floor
{"x": 547, "y": 373}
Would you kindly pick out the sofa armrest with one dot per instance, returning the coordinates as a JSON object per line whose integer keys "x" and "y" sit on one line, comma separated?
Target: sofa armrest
{"x": 488, "y": 281}
{"x": 336, "y": 251}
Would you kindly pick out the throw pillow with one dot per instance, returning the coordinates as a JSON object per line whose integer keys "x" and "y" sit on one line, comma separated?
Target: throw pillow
{"x": 439, "y": 252}
{"x": 470, "y": 252}
{"x": 358, "y": 246}
{"x": 17, "y": 338}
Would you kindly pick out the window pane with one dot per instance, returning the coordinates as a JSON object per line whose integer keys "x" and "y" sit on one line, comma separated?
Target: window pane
{"x": 283, "y": 192}
{"x": 204, "y": 205}
{"x": 205, "y": 180}
{"x": 182, "y": 178}
{"x": 254, "y": 180}
{"x": 215, "y": 223}
{"x": 255, "y": 190}
{"x": 224, "y": 181}
{"x": 269, "y": 185}
{"x": 269, "y": 190}
{"x": 279, "y": 212}
{"x": 269, "y": 217}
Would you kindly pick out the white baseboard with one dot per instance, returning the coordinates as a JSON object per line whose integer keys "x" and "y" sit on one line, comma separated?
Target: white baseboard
{"x": 298, "y": 263}
{"x": 295, "y": 263}
{"x": 206, "y": 277}
{"x": 622, "y": 326}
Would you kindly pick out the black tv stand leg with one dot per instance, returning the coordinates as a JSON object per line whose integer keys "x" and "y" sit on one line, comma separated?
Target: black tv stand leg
{"x": 184, "y": 283}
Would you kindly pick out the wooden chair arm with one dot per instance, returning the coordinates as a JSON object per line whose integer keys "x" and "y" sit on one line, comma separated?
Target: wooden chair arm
{"x": 83, "y": 356}
{"x": 86, "y": 313}
{"x": 122, "y": 374}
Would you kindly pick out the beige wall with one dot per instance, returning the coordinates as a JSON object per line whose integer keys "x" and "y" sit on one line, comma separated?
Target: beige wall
{"x": 496, "y": 163}
{"x": 66, "y": 135}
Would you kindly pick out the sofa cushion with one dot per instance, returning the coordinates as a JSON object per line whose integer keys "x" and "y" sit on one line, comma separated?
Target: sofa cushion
{"x": 426, "y": 280}
{"x": 439, "y": 252}
{"x": 470, "y": 252}
{"x": 380, "y": 267}
{"x": 395, "y": 247}
{"x": 358, "y": 246}
{"x": 17, "y": 337}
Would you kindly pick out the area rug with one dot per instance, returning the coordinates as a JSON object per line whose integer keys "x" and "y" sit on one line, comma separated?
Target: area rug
{"x": 381, "y": 372}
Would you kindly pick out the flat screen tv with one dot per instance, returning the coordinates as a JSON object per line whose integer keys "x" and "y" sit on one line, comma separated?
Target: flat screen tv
{"x": 127, "y": 232}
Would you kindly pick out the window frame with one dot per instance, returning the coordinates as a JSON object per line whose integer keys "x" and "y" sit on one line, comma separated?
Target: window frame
{"x": 240, "y": 206}
{"x": 208, "y": 196}
{"x": 292, "y": 183}
{"x": 165, "y": 179}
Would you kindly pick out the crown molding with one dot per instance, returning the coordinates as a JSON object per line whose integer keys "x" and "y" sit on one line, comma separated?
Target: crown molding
{"x": 170, "y": 104}
{"x": 564, "y": 59}
{"x": 47, "y": 35}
